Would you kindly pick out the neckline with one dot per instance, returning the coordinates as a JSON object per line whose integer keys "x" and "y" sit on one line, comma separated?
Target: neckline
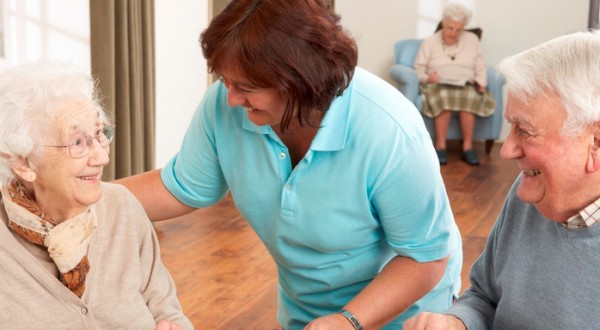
{"x": 450, "y": 51}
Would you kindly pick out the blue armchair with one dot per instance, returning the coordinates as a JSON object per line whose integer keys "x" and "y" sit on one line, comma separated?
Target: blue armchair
{"x": 405, "y": 76}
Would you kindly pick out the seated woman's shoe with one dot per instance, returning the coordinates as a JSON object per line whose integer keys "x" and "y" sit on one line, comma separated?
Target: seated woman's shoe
{"x": 442, "y": 156}
{"x": 470, "y": 158}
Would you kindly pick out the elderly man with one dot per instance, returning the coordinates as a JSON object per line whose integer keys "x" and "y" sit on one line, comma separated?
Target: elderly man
{"x": 541, "y": 266}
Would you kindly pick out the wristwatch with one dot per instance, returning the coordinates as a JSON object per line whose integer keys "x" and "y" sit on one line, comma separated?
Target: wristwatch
{"x": 352, "y": 319}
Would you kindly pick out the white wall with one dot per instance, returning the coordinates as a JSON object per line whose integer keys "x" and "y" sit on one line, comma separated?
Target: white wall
{"x": 181, "y": 77}
{"x": 509, "y": 26}
{"x": 58, "y": 29}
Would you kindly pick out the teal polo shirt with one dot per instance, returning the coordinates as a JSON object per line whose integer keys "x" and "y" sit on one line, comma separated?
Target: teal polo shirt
{"x": 368, "y": 189}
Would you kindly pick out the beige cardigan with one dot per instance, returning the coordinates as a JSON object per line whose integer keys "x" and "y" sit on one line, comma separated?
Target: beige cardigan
{"x": 467, "y": 65}
{"x": 127, "y": 286}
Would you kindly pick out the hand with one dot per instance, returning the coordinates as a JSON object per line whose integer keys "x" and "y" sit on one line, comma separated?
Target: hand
{"x": 433, "y": 77}
{"x": 480, "y": 89}
{"x": 167, "y": 325}
{"x": 432, "y": 321}
{"x": 330, "y": 322}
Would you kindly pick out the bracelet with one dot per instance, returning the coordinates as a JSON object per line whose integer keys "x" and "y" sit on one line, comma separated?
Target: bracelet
{"x": 350, "y": 317}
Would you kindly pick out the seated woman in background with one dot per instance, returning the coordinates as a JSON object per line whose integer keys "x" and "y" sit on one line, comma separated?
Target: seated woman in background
{"x": 453, "y": 78}
{"x": 76, "y": 253}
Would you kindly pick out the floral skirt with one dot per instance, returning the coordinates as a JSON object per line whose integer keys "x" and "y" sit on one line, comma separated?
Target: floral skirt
{"x": 438, "y": 97}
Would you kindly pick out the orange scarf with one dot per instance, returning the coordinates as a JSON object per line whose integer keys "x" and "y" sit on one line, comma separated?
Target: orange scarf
{"x": 26, "y": 219}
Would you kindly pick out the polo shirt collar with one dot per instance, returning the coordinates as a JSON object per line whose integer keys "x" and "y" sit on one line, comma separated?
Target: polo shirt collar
{"x": 334, "y": 127}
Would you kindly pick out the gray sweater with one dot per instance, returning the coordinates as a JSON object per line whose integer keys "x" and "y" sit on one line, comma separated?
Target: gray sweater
{"x": 533, "y": 274}
{"x": 127, "y": 286}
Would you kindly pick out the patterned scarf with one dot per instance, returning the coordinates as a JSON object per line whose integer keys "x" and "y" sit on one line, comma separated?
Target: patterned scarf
{"x": 66, "y": 242}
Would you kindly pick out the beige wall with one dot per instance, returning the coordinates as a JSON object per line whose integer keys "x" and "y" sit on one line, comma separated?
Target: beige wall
{"x": 509, "y": 26}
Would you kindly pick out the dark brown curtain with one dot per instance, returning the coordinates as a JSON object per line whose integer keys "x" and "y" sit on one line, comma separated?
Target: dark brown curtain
{"x": 593, "y": 16}
{"x": 122, "y": 48}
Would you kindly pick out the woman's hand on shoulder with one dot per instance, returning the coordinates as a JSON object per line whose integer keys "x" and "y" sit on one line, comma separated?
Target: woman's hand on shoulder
{"x": 167, "y": 325}
{"x": 433, "y": 321}
{"x": 330, "y": 322}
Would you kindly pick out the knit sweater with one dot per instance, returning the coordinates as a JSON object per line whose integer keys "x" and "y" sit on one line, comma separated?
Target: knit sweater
{"x": 533, "y": 274}
{"x": 467, "y": 64}
{"x": 127, "y": 286}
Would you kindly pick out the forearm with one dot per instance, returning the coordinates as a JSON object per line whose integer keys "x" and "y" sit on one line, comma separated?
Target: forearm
{"x": 427, "y": 320}
{"x": 480, "y": 71}
{"x": 421, "y": 70}
{"x": 157, "y": 201}
{"x": 400, "y": 284}
{"x": 158, "y": 287}
{"x": 474, "y": 310}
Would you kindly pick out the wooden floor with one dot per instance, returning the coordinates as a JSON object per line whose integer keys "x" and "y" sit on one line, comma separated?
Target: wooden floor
{"x": 226, "y": 279}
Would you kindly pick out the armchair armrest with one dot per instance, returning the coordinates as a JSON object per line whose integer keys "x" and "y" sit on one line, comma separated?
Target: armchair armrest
{"x": 406, "y": 80}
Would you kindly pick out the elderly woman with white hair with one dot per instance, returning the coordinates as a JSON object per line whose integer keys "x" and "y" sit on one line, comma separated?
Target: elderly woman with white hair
{"x": 453, "y": 78}
{"x": 76, "y": 253}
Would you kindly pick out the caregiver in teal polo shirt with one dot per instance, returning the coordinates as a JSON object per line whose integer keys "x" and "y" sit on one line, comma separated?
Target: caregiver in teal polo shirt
{"x": 368, "y": 189}
{"x": 332, "y": 167}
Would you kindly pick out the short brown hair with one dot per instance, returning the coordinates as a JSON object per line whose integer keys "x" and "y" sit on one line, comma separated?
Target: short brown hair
{"x": 295, "y": 46}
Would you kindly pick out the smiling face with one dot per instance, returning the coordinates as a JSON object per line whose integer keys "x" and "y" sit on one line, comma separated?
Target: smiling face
{"x": 553, "y": 165}
{"x": 264, "y": 106}
{"x": 64, "y": 186}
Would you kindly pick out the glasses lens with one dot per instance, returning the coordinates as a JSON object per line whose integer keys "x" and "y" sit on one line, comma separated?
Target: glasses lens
{"x": 78, "y": 147}
{"x": 105, "y": 135}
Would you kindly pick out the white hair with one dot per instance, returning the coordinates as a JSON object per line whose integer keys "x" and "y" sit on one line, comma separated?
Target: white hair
{"x": 457, "y": 12}
{"x": 567, "y": 67}
{"x": 30, "y": 94}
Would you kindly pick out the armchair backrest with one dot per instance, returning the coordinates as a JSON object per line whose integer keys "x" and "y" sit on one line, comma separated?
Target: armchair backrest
{"x": 478, "y": 31}
{"x": 406, "y": 50}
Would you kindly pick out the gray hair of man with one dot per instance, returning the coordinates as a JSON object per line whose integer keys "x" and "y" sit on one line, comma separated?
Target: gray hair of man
{"x": 30, "y": 95}
{"x": 567, "y": 67}
{"x": 457, "y": 12}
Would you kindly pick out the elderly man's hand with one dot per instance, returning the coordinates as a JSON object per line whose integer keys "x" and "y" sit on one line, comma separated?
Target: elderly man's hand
{"x": 432, "y": 321}
{"x": 167, "y": 325}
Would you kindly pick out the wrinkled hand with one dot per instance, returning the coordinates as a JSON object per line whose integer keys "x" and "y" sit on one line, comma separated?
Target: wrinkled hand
{"x": 433, "y": 77}
{"x": 432, "y": 321}
{"x": 330, "y": 322}
{"x": 480, "y": 89}
{"x": 167, "y": 325}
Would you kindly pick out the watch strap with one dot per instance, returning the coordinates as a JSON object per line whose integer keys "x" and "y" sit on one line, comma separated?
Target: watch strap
{"x": 352, "y": 319}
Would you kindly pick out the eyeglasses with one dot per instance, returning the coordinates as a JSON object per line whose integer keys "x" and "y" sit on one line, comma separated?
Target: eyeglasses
{"x": 79, "y": 147}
